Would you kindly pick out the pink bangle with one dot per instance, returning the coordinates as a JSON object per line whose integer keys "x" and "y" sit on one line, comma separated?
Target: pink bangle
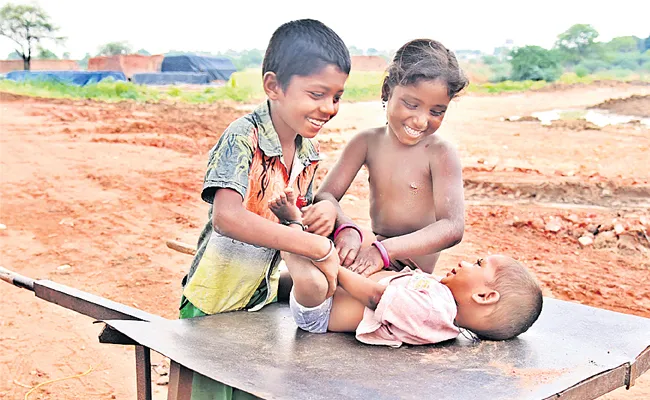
{"x": 383, "y": 252}
{"x": 343, "y": 226}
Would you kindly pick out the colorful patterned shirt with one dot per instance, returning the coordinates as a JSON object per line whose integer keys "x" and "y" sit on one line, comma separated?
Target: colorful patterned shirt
{"x": 227, "y": 274}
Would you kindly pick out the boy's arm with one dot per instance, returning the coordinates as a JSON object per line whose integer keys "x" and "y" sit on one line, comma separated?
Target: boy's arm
{"x": 230, "y": 218}
{"x": 361, "y": 288}
{"x": 448, "y": 229}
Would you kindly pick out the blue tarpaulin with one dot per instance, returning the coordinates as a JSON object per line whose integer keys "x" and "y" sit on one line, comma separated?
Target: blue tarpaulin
{"x": 171, "y": 78}
{"x": 79, "y": 78}
{"x": 219, "y": 68}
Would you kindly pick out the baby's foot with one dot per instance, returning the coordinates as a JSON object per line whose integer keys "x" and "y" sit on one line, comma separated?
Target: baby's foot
{"x": 284, "y": 206}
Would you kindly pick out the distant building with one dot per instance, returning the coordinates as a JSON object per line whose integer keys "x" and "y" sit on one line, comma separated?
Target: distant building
{"x": 502, "y": 52}
{"x": 468, "y": 54}
{"x": 368, "y": 63}
{"x": 128, "y": 64}
{"x": 39, "y": 65}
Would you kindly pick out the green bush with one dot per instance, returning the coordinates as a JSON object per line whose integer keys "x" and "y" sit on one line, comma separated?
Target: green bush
{"x": 581, "y": 71}
{"x": 500, "y": 72}
{"x": 631, "y": 61}
{"x": 174, "y": 91}
{"x": 595, "y": 65}
{"x": 534, "y": 63}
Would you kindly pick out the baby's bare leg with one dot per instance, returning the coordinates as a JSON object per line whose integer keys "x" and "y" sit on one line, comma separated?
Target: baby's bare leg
{"x": 309, "y": 283}
{"x": 284, "y": 206}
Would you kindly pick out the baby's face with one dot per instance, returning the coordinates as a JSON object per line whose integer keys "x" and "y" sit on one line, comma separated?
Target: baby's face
{"x": 468, "y": 278}
{"x": 469, "y": 284}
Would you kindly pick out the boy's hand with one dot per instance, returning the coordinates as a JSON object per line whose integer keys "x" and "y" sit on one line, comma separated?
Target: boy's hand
{"x": 329, "y": 268}
{"x": 368, "y": 262}
{"x": 348, "y": 243}
{"x": 319, "y": 218}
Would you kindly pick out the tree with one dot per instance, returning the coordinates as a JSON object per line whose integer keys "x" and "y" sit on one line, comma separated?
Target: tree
{"x": 27, "y": 26}
{"x": 577, "y": 41}
{"x": 534, "y": 63}
{"x": 143, "y": 52}
{"x": 490, "y": 60}
{"x": 355, "y": 51}
{"x": 83, "y": 63}
{"x": 14, "y": 56}
{"x": 66, "y": 55}
{"x": 114, "y": 49}
{"x": 45, "y": 54}
{"x": 622, "y": 44}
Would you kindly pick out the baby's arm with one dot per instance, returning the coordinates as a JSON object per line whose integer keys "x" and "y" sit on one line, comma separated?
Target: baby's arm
{"x": 361, "y": 288}
{"x": 335, "y": 185}
{"x": 448, "y": 229}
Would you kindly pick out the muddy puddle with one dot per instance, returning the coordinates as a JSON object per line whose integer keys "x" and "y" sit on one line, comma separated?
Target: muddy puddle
{"x": 599, "y": 118}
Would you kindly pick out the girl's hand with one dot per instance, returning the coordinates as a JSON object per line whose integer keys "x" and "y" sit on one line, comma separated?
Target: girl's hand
{"x": 348, "y": 243}
{"x": 368, "y": 262}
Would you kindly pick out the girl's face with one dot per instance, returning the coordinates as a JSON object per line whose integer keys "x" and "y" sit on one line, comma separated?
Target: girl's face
{"x": 416, "y": 111}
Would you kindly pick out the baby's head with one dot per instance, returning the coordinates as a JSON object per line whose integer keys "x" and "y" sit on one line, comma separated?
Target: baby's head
{"x": 497, "y": 297}
{"x": 304, "y": 71}
{"x": 421, "y": 80}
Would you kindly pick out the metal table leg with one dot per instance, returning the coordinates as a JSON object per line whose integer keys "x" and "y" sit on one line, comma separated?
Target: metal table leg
{"x": 143, "y": 372}
{"x": 180, "y": 382}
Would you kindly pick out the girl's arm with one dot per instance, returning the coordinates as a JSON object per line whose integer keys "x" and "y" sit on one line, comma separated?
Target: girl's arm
{"x": 448, "y": 229}
{"x": 340, "y": 177}
{"x": 337, "y": 182}
{"x": 361, "y": 288}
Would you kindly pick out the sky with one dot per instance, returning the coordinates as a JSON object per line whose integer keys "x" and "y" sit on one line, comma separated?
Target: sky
{"x": 219, "y": 25}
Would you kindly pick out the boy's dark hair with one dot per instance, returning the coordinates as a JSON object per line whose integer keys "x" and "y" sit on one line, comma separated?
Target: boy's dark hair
{"x": 424, "y": 59}
{"x": 303, "y": 48}
{"x": 519, "y": 305}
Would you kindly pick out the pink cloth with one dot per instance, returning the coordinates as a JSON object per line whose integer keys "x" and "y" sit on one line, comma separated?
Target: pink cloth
{"x": 415, "y": 309}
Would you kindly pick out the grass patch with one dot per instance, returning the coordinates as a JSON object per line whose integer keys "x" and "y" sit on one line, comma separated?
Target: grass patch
{"x": 505, "y": 86}
{"x": 246, "y": 87}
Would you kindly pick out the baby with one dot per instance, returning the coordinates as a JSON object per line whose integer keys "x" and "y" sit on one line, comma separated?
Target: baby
{"x": 496, "y": 298}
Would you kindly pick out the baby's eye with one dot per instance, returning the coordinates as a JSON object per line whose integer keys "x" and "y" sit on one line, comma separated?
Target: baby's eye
{"x": 316, "y": 95}
{"x": 479, "y": 262}
{"x": 437, "y": 113}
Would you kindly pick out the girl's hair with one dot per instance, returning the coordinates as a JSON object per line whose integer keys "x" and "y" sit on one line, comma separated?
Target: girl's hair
{"x": 424, "y": 59}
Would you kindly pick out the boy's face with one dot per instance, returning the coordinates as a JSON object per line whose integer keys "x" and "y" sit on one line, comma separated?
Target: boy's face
{"x": 416, "y": 111}
{"x": 308, "y": 102}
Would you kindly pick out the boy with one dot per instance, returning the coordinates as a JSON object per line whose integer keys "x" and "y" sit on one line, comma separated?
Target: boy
{"x": 259, "y": 155}
{"x": 495, "y": 298}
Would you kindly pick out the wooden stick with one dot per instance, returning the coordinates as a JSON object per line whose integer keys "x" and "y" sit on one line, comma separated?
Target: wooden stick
{"x": 181, "y": 247}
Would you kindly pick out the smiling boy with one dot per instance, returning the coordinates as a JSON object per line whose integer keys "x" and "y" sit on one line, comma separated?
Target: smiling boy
{"x": 258, "y": 156}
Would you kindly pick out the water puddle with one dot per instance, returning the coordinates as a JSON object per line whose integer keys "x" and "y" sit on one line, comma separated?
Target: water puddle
{"x": 599, "y": 118}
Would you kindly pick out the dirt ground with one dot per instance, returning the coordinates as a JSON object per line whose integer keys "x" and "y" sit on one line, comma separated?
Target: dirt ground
{"x": 633, "y": 105}
{"x": 91, "y": 191}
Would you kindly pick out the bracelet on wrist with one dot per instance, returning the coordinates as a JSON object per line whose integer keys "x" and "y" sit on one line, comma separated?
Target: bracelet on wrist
{"x": 292, "y": 222}
{"x": 382, "y": 250}
{"x": 329, "y": 253}
{"x": 345, "y": 226}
